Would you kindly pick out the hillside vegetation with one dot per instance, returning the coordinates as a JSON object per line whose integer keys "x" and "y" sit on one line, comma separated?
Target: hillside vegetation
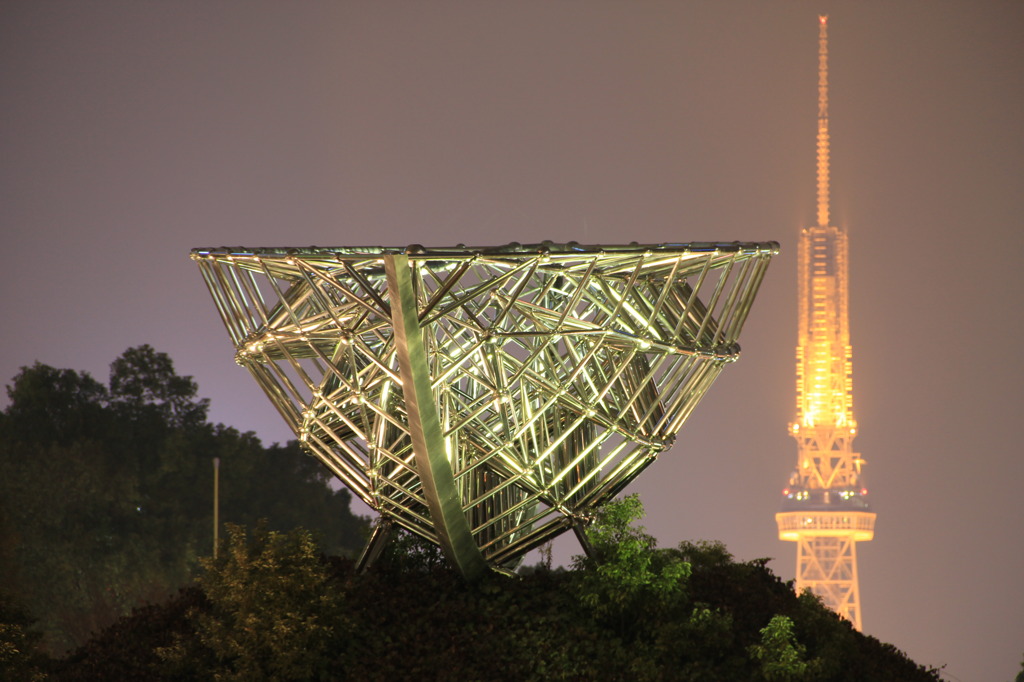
{"x": 273, "y": 608}
{"x": 106, "y": 502}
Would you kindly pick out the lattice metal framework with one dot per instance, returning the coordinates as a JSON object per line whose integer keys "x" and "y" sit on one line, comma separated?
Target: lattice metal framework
{"x": 825, "y": 508}
{"x": 486, "y": 399}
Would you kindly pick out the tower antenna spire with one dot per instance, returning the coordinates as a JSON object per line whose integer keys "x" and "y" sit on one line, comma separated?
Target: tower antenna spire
{"x": 823, "y": 149}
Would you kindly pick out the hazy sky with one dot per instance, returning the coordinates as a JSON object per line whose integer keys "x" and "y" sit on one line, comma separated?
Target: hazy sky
{"x": 131, "y": 132}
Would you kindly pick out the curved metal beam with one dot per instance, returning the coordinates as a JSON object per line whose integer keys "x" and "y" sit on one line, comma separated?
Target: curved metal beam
{"x": 435, "y": 472}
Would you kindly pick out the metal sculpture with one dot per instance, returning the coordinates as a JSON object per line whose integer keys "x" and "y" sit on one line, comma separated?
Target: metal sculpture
{"x": 486, "y": 399}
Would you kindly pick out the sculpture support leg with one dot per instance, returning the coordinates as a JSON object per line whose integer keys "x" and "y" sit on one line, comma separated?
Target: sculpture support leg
{"x": 379, "y": 537}
{"x": 433, "y": 467}
{"x": 581, "y": 535}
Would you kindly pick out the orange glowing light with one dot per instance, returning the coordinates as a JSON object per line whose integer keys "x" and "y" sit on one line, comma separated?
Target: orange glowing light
{"x": 828, "y": 472}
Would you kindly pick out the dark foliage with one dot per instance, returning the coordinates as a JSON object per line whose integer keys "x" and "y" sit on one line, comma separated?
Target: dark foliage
{"x": 20, "y": 659}
{"x": 130, "y": 649}
{"x": 106, "y": 491}
{"x": 412, "y": 618}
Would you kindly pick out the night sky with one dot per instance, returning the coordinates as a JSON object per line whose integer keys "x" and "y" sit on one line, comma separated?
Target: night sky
{"x": 131, "y": 132}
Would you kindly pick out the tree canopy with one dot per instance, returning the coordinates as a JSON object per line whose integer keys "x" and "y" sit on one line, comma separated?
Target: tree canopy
{"x": 106, "y": 491}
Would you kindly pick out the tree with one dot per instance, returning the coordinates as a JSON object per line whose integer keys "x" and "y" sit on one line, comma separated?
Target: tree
{"x": 80, "y": 558}
{"x": 274, "y": 612}
{"x": 50, "y": 405}
{"x": 624, "y": 566}
{"x": 144, "y": 380}
{"x": 288, "y": 488}
{"x": 106, "y": 494}
{"x": 629, "y": 586}
{"x": 64, "y": 500}
{"x": 782, "y": 658}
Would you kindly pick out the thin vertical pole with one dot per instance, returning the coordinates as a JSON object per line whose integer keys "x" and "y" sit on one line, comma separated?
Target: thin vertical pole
{"x": 216, "y": 505}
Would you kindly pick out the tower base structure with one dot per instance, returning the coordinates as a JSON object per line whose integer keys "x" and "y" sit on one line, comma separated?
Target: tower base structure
{"x": 826, "y": 560}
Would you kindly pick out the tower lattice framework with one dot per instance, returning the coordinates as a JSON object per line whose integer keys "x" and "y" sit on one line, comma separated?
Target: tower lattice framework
{"x": 825, "y": 508}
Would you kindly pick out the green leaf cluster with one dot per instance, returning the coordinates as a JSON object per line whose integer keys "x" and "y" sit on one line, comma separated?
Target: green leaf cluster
{"x": 782, "y": 658}
{"x": 270, "y": 613}
{"x": 624, "y": 575}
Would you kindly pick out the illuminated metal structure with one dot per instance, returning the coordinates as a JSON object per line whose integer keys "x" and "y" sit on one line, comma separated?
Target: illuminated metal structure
{"x": 486, "y": 399}
{"x": 825, "y": 508}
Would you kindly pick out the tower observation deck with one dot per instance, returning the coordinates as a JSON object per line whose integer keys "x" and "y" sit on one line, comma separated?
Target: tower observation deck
{"x": 825, "y": 506}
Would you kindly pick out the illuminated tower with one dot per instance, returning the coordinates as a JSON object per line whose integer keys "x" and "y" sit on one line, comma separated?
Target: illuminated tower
{"x": 825, "y": 508}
